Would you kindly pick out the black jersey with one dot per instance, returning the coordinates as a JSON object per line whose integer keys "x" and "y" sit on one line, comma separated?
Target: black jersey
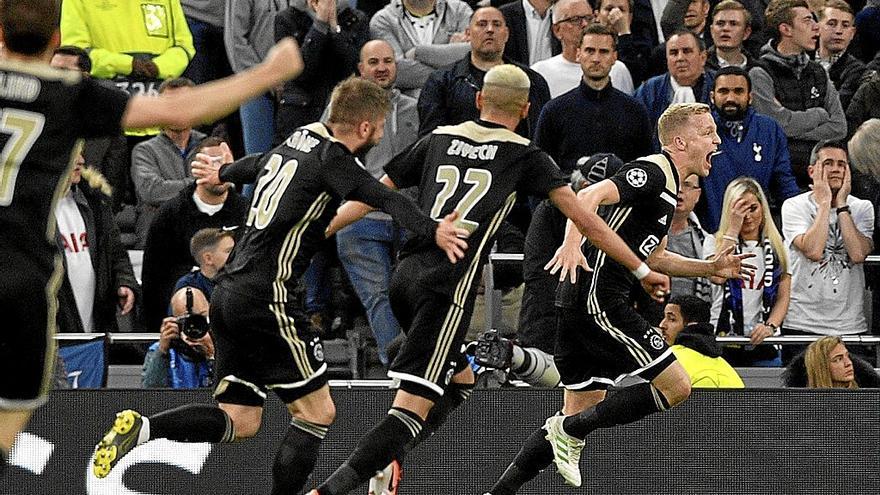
{"x": 298, "y": 188}
{"x": 476, "y": 168}
{"x": 43, "y": 112}
{"x": 648, "y": 190}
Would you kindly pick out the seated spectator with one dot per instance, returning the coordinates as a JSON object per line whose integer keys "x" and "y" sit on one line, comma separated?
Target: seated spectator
{"x": 633, "y": 50}
{"x": 323, "y": 34}
{"x": 686, "y": 80}
{"x": 160, "y": 165}
{"x": 836, "y": 31}
{"x": 99, "y": 276}
{"x": 830, "y": 234}
{"x": 426, "y": 35}
{"x": 752, "y": 145}
{"x": 756, "y": 305}
{"x": 167, "y": 255}
{"x": 691, "y": 337}
{"x": 827, "y": 364}
{"x": 564, "y": 72}
{"x": 449, "y": 96}
{"x": 793, "y": 89}
{"x": 210, "y": 248}
{"x": 530, "y": 22}
{"x": 181, "y": 359}
{"x": 594, "y": 117}
{"x": 730, "y": 29}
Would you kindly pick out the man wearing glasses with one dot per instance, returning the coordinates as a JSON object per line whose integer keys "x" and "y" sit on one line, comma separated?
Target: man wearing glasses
{"x": 563, "y": 72}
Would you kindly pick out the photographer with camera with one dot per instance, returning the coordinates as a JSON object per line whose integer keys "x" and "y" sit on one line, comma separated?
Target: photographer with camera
{"x": 184, "y": 355}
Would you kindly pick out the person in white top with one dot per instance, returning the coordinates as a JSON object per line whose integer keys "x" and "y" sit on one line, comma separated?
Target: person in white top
{"x": 830, "y": 234}
{"x": 563, "y": 72}
{"x": 756, "y": 305}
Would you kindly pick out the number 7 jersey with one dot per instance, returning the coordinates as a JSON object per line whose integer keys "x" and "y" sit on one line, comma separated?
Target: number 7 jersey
{"x": 477, "y": 169}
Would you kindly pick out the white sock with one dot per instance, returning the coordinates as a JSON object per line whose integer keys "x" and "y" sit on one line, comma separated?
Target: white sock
{"x": 144, "y": 434}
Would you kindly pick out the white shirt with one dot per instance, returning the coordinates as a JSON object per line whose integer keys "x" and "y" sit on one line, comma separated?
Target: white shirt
{"x": 657, "y": 7}
{"x": 752, "y": 286}
{"x": 423, "y": 26}
{"x": 563, "y": 76}
{"x": 538, "y": 33}
{"x": 80, "y": 272}
{"x": 207, "y": 209}
{"x": 827, "y": 296}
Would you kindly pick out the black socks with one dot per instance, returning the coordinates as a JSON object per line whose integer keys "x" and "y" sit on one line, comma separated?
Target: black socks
{"x": 193, "y": 423}
{"x": 622, "y": 407}
{"x": 296, "y": 456}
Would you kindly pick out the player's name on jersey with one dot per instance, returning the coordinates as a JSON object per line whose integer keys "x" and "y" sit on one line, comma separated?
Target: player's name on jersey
{"x": 18, "y": 87}
{"x": 465, "y": 150}
{"x": 301, "y": 141}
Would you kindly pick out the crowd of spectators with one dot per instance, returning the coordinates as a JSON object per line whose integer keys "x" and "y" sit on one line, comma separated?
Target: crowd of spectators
{"x": 788, "y": 82}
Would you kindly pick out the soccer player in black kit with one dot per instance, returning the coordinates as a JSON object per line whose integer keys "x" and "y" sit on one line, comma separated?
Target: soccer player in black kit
{"x": 43, "y": 114}
{"x": 261, "y": 332}
{"x": 602, "y": 339}
{"x": 476, "y": 168}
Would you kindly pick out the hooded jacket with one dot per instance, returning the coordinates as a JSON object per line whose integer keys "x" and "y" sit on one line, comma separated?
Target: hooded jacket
{"x": 796, "y": 373}
{"x": 700, "y": 355}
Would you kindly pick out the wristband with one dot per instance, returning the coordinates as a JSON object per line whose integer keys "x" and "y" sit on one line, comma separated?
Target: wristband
{"x": 642, "y": 271}
{"x": 843, "y": 209}
{"x": 730, "y": 238}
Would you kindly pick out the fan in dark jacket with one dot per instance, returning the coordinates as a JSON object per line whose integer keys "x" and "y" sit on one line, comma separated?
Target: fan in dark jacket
{"x": 330, "y": 35}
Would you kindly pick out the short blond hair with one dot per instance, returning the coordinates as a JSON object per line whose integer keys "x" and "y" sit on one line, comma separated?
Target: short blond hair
{"x": 676, "y": 117}
{"x": 864, "y": 148}
{"x": 506, "y": 88}
{"x": 357, "y": 100}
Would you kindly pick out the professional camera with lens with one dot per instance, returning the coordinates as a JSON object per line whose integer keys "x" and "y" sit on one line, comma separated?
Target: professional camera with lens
{"x": 193, "y": 325}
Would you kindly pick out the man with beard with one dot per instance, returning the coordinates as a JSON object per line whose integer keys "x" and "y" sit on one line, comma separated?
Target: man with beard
{"x": 751, "y": 144}
{"x": 260, "y": 329}
{"x": 449, "y": 95}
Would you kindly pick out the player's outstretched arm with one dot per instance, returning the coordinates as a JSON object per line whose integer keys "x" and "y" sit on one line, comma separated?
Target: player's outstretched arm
{"x": 352, "y": 211}
{"x": 725, "y": 264}
{"x": 208, "y": 102}
{"x": 215, "y": 170}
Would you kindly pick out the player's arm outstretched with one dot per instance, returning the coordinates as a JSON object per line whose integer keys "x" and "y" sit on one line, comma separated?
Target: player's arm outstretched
{"x": 725, "y": 264}
{"x": 581, "y": 211}
{"x": 209, "y": 102}
{"x": 214, "y": 170}
{"x": 383, "y": 195}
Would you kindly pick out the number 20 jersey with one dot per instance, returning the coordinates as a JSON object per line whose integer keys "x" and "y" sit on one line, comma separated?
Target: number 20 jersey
{"x": 476, "y": 168}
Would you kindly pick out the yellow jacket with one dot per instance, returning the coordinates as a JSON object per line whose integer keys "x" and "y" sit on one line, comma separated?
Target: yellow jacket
{"x": 113, "y": 30}
{"x": 707, "y": 372}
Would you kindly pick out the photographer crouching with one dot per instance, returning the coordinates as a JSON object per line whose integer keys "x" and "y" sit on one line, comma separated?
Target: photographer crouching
{"x": 184, "y": 355}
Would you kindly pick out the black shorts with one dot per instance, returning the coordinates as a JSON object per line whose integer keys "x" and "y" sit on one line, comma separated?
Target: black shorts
{"x": 435, "y": 325}
{"x": 262, "y": 346}
{"x": 29, "y": 305}
{"x": 594, "y": 352}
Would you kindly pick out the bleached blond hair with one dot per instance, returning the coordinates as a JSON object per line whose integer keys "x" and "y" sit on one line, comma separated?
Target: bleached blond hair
{"x": 675, "y": 118}
{"x": 506, "y": 88}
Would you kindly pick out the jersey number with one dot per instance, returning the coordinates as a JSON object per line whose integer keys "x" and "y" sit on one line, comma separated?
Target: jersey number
{"x": 479, "y": 179}
{"x": 269, "y": 189}
{"x": 23, "y": 128}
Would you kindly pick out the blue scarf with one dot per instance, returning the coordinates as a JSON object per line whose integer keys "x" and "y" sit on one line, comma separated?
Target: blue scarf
{"x": 730, "y": 321}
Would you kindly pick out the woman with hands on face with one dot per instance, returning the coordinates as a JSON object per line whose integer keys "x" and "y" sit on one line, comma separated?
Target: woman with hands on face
{"x": 755, "y": 305}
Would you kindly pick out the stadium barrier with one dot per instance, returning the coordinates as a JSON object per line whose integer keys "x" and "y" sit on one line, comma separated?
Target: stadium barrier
{"x": 749, "y": 442}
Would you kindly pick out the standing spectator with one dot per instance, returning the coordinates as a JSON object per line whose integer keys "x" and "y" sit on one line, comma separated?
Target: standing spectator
{"x": 752, "y": 145}
{"x": 323, "y": 34}
{"x": 830, "y": 233}
{"x": 755, "y": 305}
{"x": 160, "y": 165}
{"x": 865, "y": 104}
{"x": 866, "y": 44}
{"x": 99, "y": 276}
{"x": 248, "y": 33}
{"x": 686, "y": 81}
{"x": 836, "y": 31}
{"x": 686, "y": 237}
{"x": 730, "y": 29}
{"x": 681, "y": 15}
{"x": 827, "y": 364}
{"x": 176, "y": 360}
{"x": 633, "y": 51}
{"x": 167, "y": 252}
{"x": 367, "y": 248}
{"x": 449, "y": 96}
{"x": 210, "y": 248}
{"x": 794, "y": 90}
{"x": 594, "y": 117}
{"x": 108, "y": 155}
{"x": 563, "y": 72}
{"x": 687, "y": 330}
{"x": 425, "y": 34}
{"x": 531, "y": 37}
{"x": 205, "y": 21}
